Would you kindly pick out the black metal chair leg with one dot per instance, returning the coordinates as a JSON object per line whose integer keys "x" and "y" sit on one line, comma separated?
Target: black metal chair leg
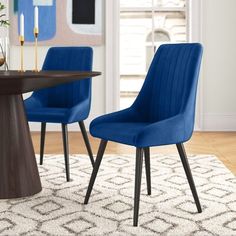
{"x": 42, "y": 141}
{"x": 138, "y": 177}
{"x": 188, "y": 173}
{"x": 66, "y": 150}
{"x": 148, "y": 169}
{"x": 86, "y": 141}
{"x": 98, "y": 160}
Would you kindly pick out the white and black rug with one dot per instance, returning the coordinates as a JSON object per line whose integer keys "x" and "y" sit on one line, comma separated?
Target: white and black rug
{"x": 59, "y": 209}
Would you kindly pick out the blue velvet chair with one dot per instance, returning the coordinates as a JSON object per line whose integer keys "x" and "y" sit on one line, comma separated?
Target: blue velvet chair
{"x": 64, "y": 104}
{"x": 162, "y": 114}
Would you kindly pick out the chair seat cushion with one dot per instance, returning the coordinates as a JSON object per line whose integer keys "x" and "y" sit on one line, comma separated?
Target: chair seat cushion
{"x": 121, "y": 132}
{"x": 36, "y": 112}
{"x": 45, "y": 114}
{"x": 119, "y": 128}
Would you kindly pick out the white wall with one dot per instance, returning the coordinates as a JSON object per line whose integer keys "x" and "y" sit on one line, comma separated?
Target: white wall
{"x": 219, "y": 66}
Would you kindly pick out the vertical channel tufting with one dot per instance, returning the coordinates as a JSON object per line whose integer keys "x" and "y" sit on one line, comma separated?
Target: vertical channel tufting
{"x": 65, "y": 58}
{"x": 175, "y": 90}
{"x": 169, "y": 81}
{"x": 164, "y": 98}
{"x": 156, "y": 87}
{"x": 169, "y": 87}
{"x": 160, "y": 84}
{"x": 186, "y": 78}
{"x": 182, "y": 77}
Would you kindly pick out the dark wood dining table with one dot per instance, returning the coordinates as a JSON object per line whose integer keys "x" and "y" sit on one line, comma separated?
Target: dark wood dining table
{"x": 19, "y": 176}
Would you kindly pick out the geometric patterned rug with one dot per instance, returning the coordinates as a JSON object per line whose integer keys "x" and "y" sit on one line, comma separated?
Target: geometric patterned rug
{"x": 59, "y": 209}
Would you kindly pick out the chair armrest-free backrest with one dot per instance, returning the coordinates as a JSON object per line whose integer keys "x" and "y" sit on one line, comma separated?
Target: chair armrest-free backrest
{"x": 171, "y": 84}
{"x": 69, "y": 59}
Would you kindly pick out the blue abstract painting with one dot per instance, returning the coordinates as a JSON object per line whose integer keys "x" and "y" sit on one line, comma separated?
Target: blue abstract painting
{"x": 47, "y": 23}
{"x": 60, "y": 22}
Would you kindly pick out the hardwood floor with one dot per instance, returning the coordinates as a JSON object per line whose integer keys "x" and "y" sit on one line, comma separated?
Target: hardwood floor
{"x": 221, "y": 144}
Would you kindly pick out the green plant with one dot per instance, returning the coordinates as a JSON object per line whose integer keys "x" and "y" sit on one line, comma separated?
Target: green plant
{"x": 3, "y": 21}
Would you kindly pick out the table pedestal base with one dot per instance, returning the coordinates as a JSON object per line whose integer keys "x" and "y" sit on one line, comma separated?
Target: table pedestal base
{"x": 19, "y": 175}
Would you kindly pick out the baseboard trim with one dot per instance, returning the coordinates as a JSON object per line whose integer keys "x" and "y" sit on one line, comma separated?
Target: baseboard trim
{"x": 219, "y": 122}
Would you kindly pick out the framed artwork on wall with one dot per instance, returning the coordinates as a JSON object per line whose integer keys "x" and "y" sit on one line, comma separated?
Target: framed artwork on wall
{"x": 61, "y": 22}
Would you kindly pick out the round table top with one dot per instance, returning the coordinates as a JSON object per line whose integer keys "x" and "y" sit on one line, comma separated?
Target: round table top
{"x": 14, "y": 74}
{"x": 16, "y": 82}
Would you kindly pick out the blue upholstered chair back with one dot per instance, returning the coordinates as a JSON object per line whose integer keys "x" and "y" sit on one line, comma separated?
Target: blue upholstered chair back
{"x": 171, "y": 83}
{"x": 67, "y": 95}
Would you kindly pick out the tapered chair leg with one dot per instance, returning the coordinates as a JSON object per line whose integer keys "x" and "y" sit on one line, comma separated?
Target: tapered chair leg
{"x": 148, "y": 169}
{"x": 188, "y": 173}
{"x": 42, "y": 141}
{"x": 66, "y": 150}
{"x": 98, "y": 160}
{"x": 86, "y": 141}
{"x": 138, "y": 177}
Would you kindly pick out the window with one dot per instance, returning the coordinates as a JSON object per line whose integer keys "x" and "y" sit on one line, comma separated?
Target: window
{"x": 160, "y": 36}
{"x": 144, "y": 26}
